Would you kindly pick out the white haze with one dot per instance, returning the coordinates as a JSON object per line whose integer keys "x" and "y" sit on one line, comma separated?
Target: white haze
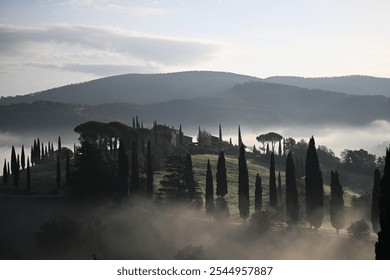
{"x": 374, "y": 137}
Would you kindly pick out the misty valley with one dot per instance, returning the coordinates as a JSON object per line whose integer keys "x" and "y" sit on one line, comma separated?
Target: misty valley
{"x": 197, "y": 165}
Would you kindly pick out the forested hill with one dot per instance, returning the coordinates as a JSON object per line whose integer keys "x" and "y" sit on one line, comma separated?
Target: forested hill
{"x": 138, "y": 88}
{"x": 252, "y": 104}
{"x": 362, "y": 85}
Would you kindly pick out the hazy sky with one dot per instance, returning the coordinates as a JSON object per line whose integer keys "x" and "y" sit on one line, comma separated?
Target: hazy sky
{"x": 46, "y": 43}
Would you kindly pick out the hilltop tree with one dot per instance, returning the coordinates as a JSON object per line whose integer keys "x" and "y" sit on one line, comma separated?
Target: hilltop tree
{"x": 38, "y": 152}
{"x": 239, "y": 137}
{"x": 58, "y": 177}
{"x": 220, "y": 133}
{"x": 59, "y": 145}
{"x": 28, "y": 175}
{"x": 67, "y": 169}
{"x": 222, "y": 185}
{"x": 5, "y": 173}
{"x": 273, "y": 199}
{"x": 375, "y": 201}
{"x": 149, "y": 170}
{"x": 243, "y": 184}
{"x": 23, "y": 159}
{"x": 123, "y": 169}
{"x": 292, "y": 206}
{"x": 134, "y": 178}
{"x": 258, "y": 194}
{"x": 209, "y": 194}
{"x": 314, "y": 187}
{"x": 337, "y": 211}
{"x": 14, "y": 167}
{"x": 269, "y": 138}
{"x": 382, "y": 247}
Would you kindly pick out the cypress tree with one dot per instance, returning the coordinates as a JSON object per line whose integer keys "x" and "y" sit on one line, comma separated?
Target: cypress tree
{"x": 258, "y": 194}
{"x": 222, "y": 185}
{"x": 32, "y": 155}
{"x": 136, "y": 120}
{"x": 188, "y": 178}
{"x": 58, "y": 174}
{"x": 23, "y": 159}
{"x": 239, "y": 137}
{"x": 38, "y": 152}
{"x": 59, "y": 145}
{"x": 292, "y": 206}
{"x": 230, "y": 141}
{"x": 375, "y": 201}
{"x": 337, "y": 211}
{"x": 382, "y": 247}
{"x": 220, "y": 133}
{"x": 149, "y": 170}
{"x": 5, "y": 173}
{"x": 67, "y": 170}
{"x": 133, "y": 122}
{"x": 280, "y": 192}
{"x": 123, "y": 169}
{"x": 209, "y": 194}
{"x": 42, "y": 152}
{"x": 28, "y": 175}
{"x": 134, "y": 178}
{"x": 273, "y": 199}
{"x": 243, "y": 185}
{"x": 8, "y": 170}
{"x": 280, "y": 147}
{"x": 14, "y": 167}
{"x": 314, "y": 187}
{"x": 180, "y": 136}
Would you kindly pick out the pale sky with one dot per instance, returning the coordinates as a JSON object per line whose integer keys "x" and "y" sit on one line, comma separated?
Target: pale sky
{"x": 47, "y": 43}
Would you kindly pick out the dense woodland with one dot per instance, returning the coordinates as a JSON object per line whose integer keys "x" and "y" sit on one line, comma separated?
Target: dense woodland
{"x": 126, "y": 166}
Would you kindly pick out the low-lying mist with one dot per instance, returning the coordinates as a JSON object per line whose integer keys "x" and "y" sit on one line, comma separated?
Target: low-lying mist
{"x": 374, "y": 137}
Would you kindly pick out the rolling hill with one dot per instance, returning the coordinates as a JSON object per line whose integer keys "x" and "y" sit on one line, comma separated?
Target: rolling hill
{"x": 361, "y": 85}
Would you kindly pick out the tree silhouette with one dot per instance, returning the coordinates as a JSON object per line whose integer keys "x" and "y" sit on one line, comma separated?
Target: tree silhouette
{"x": 337, "y": 211}
{"x": 314, "y": 187}
{"x": 258, "y": 194}
{"x": 14, "y": 167}
{"x": 5, "y": 173}
{"x": 134, "y": 178}
{"x": 209, "y": 194}
{"x": 28, "y": 175}
{"x": 375, "y": 201}
{"x": 190, "y": 183}
{"x": 149, "y": 170}
{"x": 23, "y": 159}
{"x": 59, "y": 145}
{"x": 222, "y": 185}
{"x": 292, "y": 206}
{"x": 382, "y": 247}
{"x": 273, "y": 199}
{"x": 123, "y": 169}
{"x": 58, "y": 177}
{"x": 239, "y": 137}
{"x": 280, "y": 192}
{"x": 243, "y": 185}
{"x": 220, "y": 133}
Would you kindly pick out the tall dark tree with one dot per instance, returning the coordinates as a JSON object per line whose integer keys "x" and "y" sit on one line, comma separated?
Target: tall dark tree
{"x": 38, "y": 152}
{"x": 209, "y": 194}
{"x": 382, "y": 247}
{"x": 23, "y": 159}
{"x": 133, "y": 122}
{"x": 59, "y": 144}
{"x": 134, "y": 177}
{"x": 32, "y": 155}
{"x": 280, "y": 148}
{"x": 314, "y": 187}
{"x": 67, "y": 169}
{"x": 58, "y": 174}
{"x": 220, "y": 133}
{"x": 14, "y": 167}
{"x": 280, "y": 191}
{"x": 375, "y": 201}
{"x": 292, "y": 205}
{"x": 123, "y": 169}
{"x": 149, "y": 170}
{"x": 273, "y": 198}
{"x": 189, "y": 180}
{"x": 239, "y": 137}
{"x": 222, "y": 185}
{"x": 337, "y": 211}
{"x": 42, "y": 152}
{"x": 243, "y": 184}
{"x": 258, "y": 194}
{"x": 5, "y": 173}
{"x": 180, "y": 136}
{"x": 28, "y": 175}
{"x": 230, "y": 141}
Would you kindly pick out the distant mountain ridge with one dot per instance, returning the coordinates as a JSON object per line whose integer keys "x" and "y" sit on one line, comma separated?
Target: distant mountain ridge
{"x": 253, "y": 104}
{"x": 354, "y": 84}
{"x": 138, "y": 88}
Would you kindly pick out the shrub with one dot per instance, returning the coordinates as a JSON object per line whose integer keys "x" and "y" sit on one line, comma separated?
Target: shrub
{"x": 359, "y": 230}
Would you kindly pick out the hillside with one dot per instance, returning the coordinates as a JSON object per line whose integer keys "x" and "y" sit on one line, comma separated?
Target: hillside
{"x": 138, "y": 88}
{"x": 250, "y": 104}
{"x": 362, "y": 85}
